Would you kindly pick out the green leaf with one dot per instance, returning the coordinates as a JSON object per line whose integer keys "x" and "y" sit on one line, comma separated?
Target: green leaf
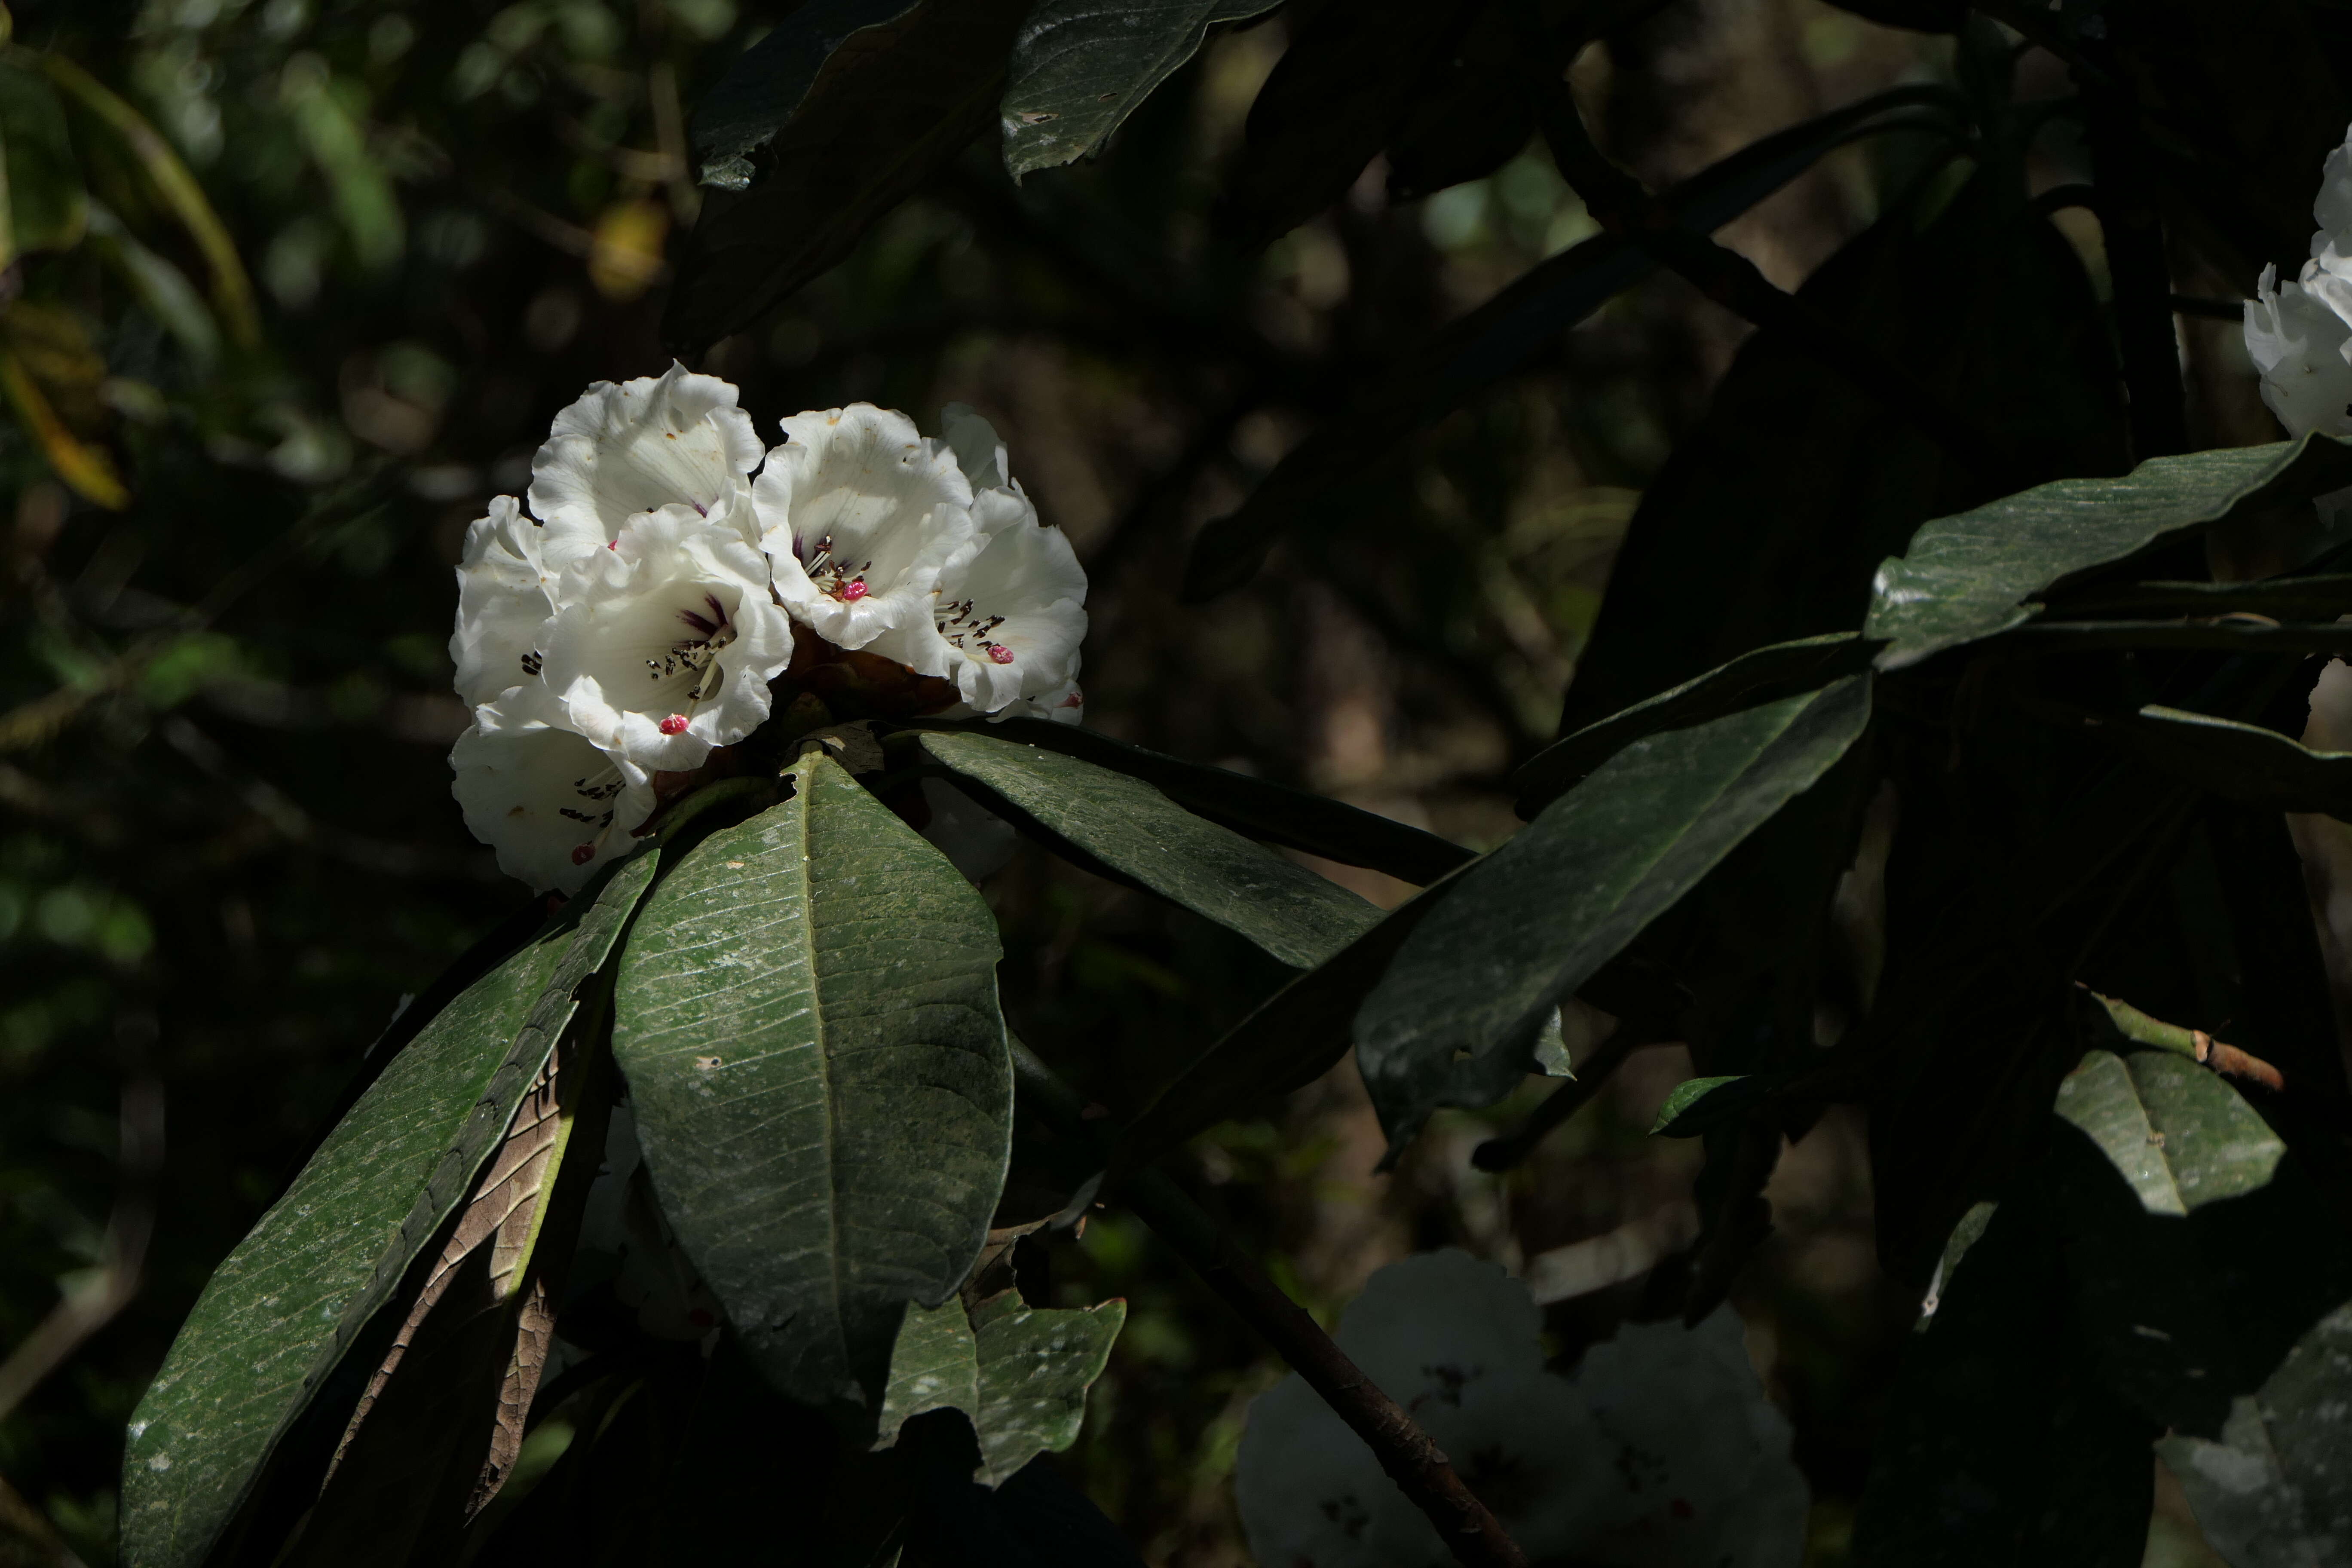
{"x": 758, "y": 94}
{"x": 890, "y": 107}
{"x": 1295, "y": 818}
{"x": 1081, "y": 67}
{"x": 807, "y": 1019}
{"x": 1765, "y": 675}
{"x": 278, "y": 1316}
{"x": 1020, "y": 1372}
{"x": 1451, "y": 1020}
{"x": 2242, "y": 762}
{"x": 1343, "y": 461}
{"x": 2177, "y": 1135}
{"x": 2274, "y": 1492}
{"x": 1699, "y": 1104}
{"x": 1125, "y": 825}
{"x": 2320, "y": 597}
{"x": 1976, "y": 575}
{"x": 43, "y": 205}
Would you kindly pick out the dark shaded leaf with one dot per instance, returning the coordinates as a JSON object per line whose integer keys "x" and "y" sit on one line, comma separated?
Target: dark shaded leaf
{"x": 1766, "y": 675}
{"x": 48, "y": 206}
{"x": 1451, "y": 1021}
{"x": 2273, "y": 1490}
{"x": 2000, "y": 1446}
{"x": 1295, "y": 818}
{"x": 1125, "y": 825}
{"x": 759, "y": 93}
{"x": 1977, "y": 574}
{"x": 1768, "y": 520}
{"x": 1491, "y": 342}
{"x": 1918, "y": 15}
{"x": 807, "y": 1020}
{"x": 2315, "y": 598}
{"x": 278, "y": 1314}
{"x": 1081, "y": 67}
{"x": 2242, "y": 762}
{"x": 1345, "y": 79}
{"x": 890, "y": 107}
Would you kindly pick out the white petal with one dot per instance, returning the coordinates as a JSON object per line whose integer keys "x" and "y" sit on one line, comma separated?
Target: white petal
{"x": 622, "y": 450}
{"x": 505, "y": 594}
{"x": 2333, "y": 206}
{"x": 552, "y": 804}
{"x": 2298, "y": 343}
{"x": 979, "y": 450}
{"x": 635, "y": 640}
{"x": 1011, "y": 614}
{"x": 855, "y": 496}
{"x": 1066, "y": 706}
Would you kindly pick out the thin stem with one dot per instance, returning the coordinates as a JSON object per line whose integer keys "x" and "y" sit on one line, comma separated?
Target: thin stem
{"x": 1417, "y": 1465}
{"x": 1502, "y": 1154}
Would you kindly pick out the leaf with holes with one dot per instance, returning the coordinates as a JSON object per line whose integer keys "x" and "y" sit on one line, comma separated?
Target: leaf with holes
{"x": 278, "y": 1316}
{"x": 1020, "y": 1372}
{"x": 1125, "y": 827}
{"x": 807, "y": 1019}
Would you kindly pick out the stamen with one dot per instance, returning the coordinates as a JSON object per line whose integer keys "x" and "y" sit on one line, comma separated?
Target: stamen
{"x": 673, "y": 725}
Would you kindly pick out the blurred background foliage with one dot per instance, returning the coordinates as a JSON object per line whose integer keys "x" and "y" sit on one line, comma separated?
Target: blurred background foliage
{"x": 294, "y": 286}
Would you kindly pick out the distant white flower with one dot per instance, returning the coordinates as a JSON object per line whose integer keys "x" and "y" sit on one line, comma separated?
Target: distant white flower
{"x": 505, "y": 594}
{"x": 543, "y": 796}
{"x": 621, "y": 451}
{"x": 665, "y": 642}
{"x": 2297, "y": 338}
{"x": 859, "y": 515}
{"x": 1663, "y": 1452}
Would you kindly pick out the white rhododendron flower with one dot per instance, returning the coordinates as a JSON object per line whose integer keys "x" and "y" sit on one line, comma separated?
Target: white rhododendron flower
{"x": 1663, "y": 1452}
{"x": 629, "y": 625}
{"x": 506, "y": 591}
{"x": 2298, "y": 341}
{"x": 859, "y": 515}
{"x": 552, "y": 803}
{"x": 665, "y": 641}
{"x": 676, "y": 439}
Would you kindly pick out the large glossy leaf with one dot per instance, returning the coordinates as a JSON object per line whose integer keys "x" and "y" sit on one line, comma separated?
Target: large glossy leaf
{"x": 1768, "y": 674}
{"x": 2272, "y": 1490}
{"x": 1344, "y": 458}
{"x": 1124, "y": 825}
{"x": 280, "y": 1312}
{"x": 1019, "y": 1372}
{"x": 1081, "y": 67}
{"x": 1978, "y": 574}
{"x": 807, "y": 1019}
{"x": 1295, "y": 818}
{"x": 1768, "y": 520}
{"x": 1451, "y": 1021}
{"x": 892, "y": 104}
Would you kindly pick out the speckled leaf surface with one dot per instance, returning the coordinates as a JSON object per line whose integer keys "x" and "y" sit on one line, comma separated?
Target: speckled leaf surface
{"x": 808, "y": 1022}
{"x": 1451, "y": 1020}
{"x": 2276, "y": 1490}
{"x": 1019, "y": 1372}
{"x": 1081, "y": 67}
{"x": 1972, "y": 575}
{"x": 280, "y": 1312}
{"x": 2175, "y": 1133}
{"x": 1296, "y": 916}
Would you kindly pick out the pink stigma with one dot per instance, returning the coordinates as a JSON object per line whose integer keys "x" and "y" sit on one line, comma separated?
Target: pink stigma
{"x": 853, "y": 591}
{"x": 673, "y": 725}
{"x": 1000, "y": 653}
{"x": 582, "y": 854}
{"x": 613, "y": 544}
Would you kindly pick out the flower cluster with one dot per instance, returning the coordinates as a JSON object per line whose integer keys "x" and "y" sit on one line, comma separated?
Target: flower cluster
{"x": 669, "y": 574}
{"x": 2300, "y": 333}
{"x": 1662, "y": 1451}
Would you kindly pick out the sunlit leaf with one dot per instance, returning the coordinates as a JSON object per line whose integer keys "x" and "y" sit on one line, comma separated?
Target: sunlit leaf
{"x": 807, "y": 1019}
{"x": 1019, "y": 1373}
